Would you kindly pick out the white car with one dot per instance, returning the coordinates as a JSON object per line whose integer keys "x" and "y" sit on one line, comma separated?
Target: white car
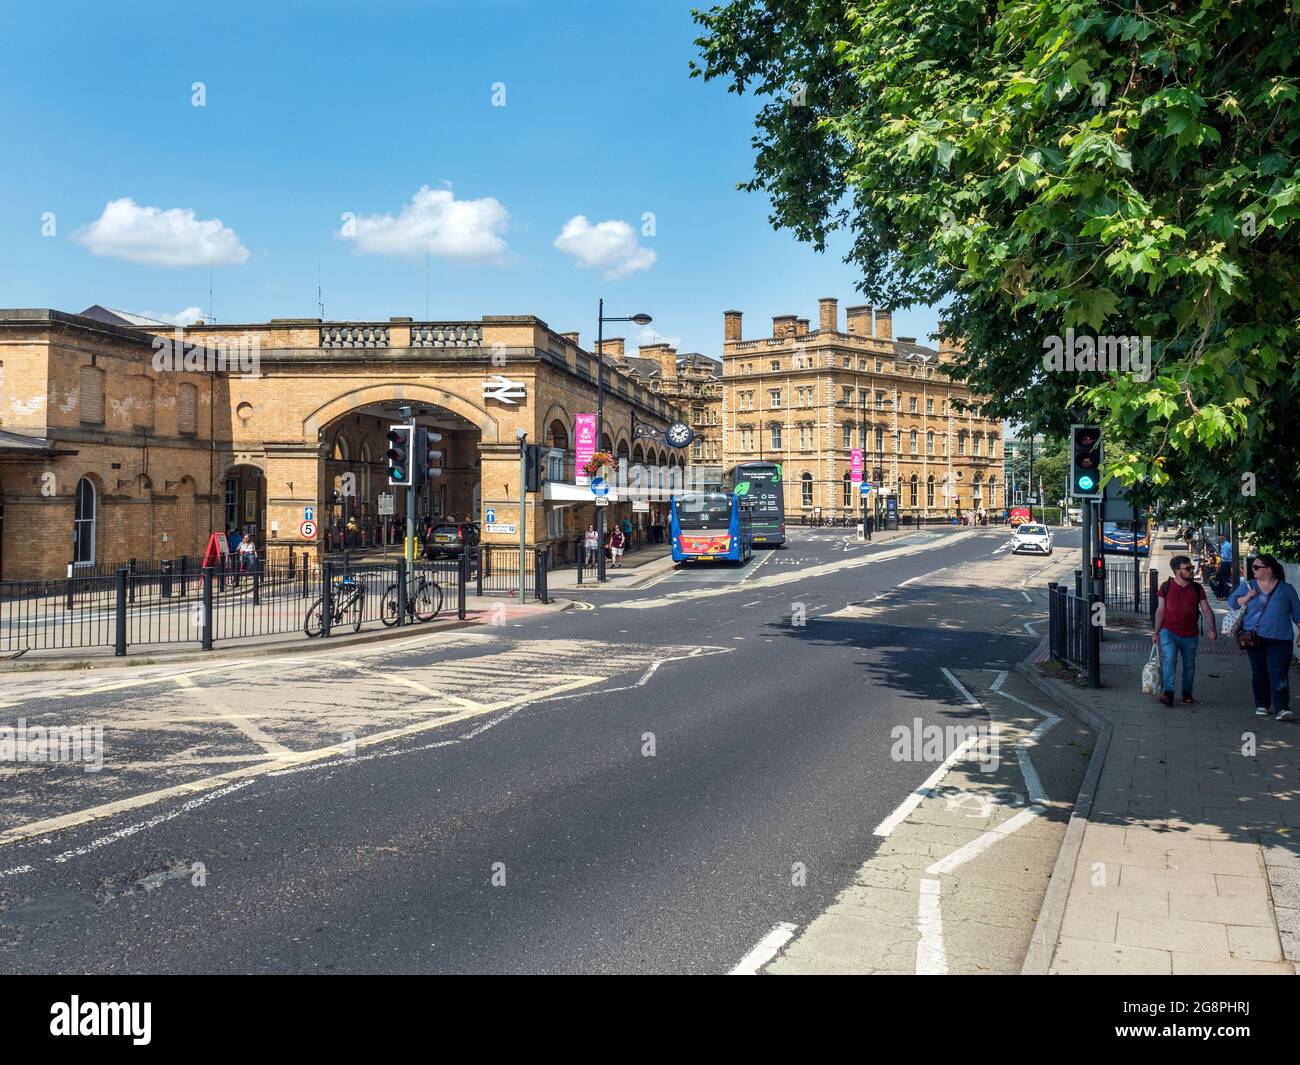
{"x": 1031, "y": 538}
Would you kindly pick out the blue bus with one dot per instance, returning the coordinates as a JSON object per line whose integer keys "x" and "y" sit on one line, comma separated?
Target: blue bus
{"x": 759, "y": 483}
{"x": 710, "y": 527}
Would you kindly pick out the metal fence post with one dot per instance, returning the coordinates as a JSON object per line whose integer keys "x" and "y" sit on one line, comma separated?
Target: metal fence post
{"x": 1094, "y": 643}
{"x": 291, "y": 562}
{"x": 462, "y": 581}
{"x": 1153, "y": 593}
{"x": 539, "y": 575}
{"x": 577, "y": 554}
{"x": 185, "y": 571}
{"x": 480, "y": 553}
{"x": 68, "y": 603}
{"x": 1078, "y": 582}
{"x": 119, "y": 646}
{"x": 207, "y": 608}
{"x": 326, "y": 597}
{"x": 130, "y": 587}
{"x": 257, "y": 582}
{"x": 1051, "y": 618}
{"x": 401, "y": 590}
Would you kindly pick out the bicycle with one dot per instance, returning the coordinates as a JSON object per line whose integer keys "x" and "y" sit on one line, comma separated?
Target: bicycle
{"x": 422, "y": 606}
{"x": 348, "y": 602}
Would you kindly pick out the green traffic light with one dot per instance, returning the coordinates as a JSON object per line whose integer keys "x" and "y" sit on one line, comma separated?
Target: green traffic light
{"x": 1086, "y": 483}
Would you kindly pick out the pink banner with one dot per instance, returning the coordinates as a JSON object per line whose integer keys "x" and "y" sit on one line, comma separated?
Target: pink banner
{"x": 855, "y": 466}
{"x": 584, "y": 437}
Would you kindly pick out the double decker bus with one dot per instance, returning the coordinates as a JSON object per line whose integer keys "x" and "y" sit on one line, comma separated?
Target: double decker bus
{"x": 710, "y": 527}
{"x": 759, "y": 483}
{"x": 1126, "y": 537}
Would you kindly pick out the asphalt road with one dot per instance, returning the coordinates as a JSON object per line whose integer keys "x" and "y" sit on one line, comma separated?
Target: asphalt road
{"x": 547, "y": 838}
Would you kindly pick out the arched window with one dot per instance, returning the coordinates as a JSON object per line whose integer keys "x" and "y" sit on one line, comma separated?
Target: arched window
{"x": 929, "y": 491}
{"x": 993, "y": 491}
{"x": 622, "y": 450}
{"x": 912, "y": 493}
{"x": 83, "y": 524}
{"x": 929, "y": 443}
{"x": 961, "y": 442}
{"x": 340, "y": 448}
{"x": 559, "y": 435}
{"x": 805, "y": 489}
{"x": 848, "y": 491}
{"x": 977, "y": 442}
{"x": 911, "y": 441}
{"x": 977, "y": 490}
{"x": 606, "y": 444}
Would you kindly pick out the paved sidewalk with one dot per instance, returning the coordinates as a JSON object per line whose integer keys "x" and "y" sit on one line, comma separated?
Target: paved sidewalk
{"x": 1189, "y": 859}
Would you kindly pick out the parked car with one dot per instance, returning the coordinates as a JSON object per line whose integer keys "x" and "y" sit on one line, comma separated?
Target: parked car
{"x": 450, "y": 538}
{"x": 1031, "y": 538}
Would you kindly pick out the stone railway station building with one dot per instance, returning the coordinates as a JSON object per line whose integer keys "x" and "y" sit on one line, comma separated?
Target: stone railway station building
{"x": 109, "y": 452}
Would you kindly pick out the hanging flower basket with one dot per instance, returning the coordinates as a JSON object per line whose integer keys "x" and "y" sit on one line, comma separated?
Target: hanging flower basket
{"x": 598, "y": 464}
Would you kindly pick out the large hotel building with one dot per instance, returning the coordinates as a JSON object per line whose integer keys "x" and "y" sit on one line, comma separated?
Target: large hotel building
{"x": 806, "y": 398}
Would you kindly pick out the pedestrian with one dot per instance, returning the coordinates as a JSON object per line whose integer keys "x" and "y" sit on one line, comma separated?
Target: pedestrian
{"x": 1224, "y": 580}
{"x": 617, "y": 541}
{"x": 1272, "y": 608}
{"x": 591, "y": 543}
{"x": 1176, "y": 629}
{"x": 627, "y": 528}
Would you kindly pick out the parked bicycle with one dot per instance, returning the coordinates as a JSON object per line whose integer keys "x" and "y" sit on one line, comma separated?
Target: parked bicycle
{"x": 422, "y": 604}
{"x": 348, "y": 603}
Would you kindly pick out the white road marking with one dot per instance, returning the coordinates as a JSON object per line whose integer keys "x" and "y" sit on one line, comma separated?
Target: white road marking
{"x": 1028, "y": 598}
{"x": 970, "y": 699}
{"x": 983, "y": 842}
{"x": 930, "y": 959}
{"x": 765, "y": 950}
{"x": 15, "y": 870}
{"x": 242, "y": 722}
{"x": 914, "y": 799}
{"x": 1029, "y": 627}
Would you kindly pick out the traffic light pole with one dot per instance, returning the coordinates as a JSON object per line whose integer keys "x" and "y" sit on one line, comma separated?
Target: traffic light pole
{"x": 409, "y": 549}
{"x": 523, "y": 505}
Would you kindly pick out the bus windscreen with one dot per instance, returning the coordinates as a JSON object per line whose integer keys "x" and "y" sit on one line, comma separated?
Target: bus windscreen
{"x": 704, "y": 510}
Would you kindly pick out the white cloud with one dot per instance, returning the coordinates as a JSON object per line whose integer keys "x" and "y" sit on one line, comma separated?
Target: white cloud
{"x": 609, "y": 246}
{"x": 161, "y": 238}
{"x": 651, "y": 335}
{"x": 186, "y": 317}
{"x": 437, "y": 222}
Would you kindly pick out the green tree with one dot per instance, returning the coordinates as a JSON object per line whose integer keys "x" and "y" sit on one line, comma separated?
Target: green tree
{"x": 1118, "y": 169}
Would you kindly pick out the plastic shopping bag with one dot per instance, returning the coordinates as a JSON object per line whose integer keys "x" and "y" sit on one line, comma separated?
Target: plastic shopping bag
{"x": 1232, "y": 621}
{"x": 1151, "y": 679}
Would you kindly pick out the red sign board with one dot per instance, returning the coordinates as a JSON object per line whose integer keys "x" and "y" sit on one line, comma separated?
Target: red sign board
{"x": 1020, "y": 515}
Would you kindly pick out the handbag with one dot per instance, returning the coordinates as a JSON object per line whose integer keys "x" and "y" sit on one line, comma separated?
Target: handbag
{"x": 1151, "y": 679}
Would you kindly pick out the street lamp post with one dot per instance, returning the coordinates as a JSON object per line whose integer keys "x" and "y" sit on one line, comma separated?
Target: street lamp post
{"x": 878, "y": 472}
{"x": 639, "y": 319}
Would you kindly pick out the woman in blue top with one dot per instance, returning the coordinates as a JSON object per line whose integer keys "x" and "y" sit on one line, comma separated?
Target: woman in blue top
{"x": 1272, "y": 605}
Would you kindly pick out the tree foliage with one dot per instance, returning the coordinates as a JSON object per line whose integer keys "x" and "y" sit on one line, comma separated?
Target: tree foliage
{"x": 1114, "y": 167}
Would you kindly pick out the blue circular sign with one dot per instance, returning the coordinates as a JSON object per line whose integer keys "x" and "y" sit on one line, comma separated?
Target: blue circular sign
{"x": 599, "y": 487}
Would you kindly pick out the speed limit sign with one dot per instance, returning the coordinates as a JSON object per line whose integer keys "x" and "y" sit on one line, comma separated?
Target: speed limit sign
{"x": 307, "y": 530}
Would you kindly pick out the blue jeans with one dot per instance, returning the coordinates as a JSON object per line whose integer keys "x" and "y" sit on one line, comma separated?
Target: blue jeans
{"x": 1269, "y": 663}
{"x": 1171, "y": 645}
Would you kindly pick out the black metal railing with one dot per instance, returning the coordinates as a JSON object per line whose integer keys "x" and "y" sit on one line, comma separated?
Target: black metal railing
{"x": 1075, "y": 629}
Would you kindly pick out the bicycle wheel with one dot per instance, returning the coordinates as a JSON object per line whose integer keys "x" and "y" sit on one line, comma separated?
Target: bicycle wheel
{"x": 428, "y": 600}
{"x": 388, "y": 609}
{"x": 313, "y": 627}
{"x": 355, "y": 610}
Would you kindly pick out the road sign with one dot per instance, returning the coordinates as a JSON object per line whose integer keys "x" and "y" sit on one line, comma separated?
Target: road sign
{"x": 387, "y": 507}
{"x": 307, "y": 530}
{"x": 308, "y": 513}
{"x": 490, "y": 516}
{"x": 601, "y": 501}
{"x": 599, "y": 487}
{"x": 866, "y": 488}
{"x": 503, "y": 528}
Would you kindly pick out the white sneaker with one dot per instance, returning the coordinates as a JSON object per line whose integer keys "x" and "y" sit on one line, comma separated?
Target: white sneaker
{"x": 1285, "y": 715}
{"x": 1261, "y": 711}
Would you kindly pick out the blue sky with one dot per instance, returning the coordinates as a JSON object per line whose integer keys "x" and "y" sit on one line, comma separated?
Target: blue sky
{"x": 314, "y": 111}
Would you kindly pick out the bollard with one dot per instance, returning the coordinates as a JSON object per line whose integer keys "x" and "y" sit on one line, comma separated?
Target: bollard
{"x": 68, "y": 604}
{"x": 185, "y": 569}
{"x": 207, "y": 608}
{"x": 291, "y": 562}
{"x": 539, "y": 575}
{"x": 479, "y": 553}
{"x": 257, "y": 582}
{"x": 326, "y": 597}
{"x": 1078, "y": 582}
{"x": 402, "y": 591}
{"x": 165, "y": 578}
{"x": 577, "y": 554}
{"x": 130, "y": 585}
{"x": 1094, "y": 644}
{"x": 119, "y": 646}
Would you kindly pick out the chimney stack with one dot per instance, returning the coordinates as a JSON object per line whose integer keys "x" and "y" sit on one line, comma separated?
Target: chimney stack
{"x": 612, "y": 346}
{"x": 828, "y": 315}
{"x": 731, "y": 325}
{"x": 860, "y": 320}
{"x": 783, "y": 325}
{"x": 801, "y": 327}
{"x": 572, "y": 338}
{"x": 884, "y": 325}
{"x": 665, "y": 356}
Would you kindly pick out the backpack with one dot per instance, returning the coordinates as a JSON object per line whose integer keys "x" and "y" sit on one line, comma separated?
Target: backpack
{"x": 1163, "y": 592}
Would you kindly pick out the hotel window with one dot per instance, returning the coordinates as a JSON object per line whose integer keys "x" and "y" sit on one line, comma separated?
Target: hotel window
{"x": 862, "y": 364}
{"x": 976, "y": 441}
{"x": 911, "y": 443}
{"x": 880, "y": 398}
{"x": 880, "y": 365}
{"x": 848, "y": 395}
{"x": 929, "y": 406}
{"x": 699, "y": 450}
{"x": 848, "y": 363}
{"x": 880, "y": 440}
{"x": 961, "y": 442}
{"x": 929, "y": 491}
{"x": 805, "y": 489}
{"x": 848, "y": 434}
{"x": 776, "y": 365}
{"x": 912, "y": 494}
{"x": 805, "y": 437}
{"x": 848, "y": 490}
{"x": 911, "y": 405}
{"x": 776, "y": 438}
{"x": 863, "y": 396}
{"x": 862, "y": 435}
{"x": 929, "y": 443}
{"x": 898, "y": 441}
{"x": 773, "y": 397}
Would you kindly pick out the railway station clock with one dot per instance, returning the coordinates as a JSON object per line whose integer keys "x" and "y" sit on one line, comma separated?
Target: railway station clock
{"x": 679, "y": 435}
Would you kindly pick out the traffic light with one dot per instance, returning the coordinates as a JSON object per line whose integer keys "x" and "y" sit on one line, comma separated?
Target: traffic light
{"x": 1098, "y": 569}
{"x": 400, "y": 471}
{"x": 536, "y": 461}
{"x": 1085, "y": 461}
{"x": 428, "y": 458}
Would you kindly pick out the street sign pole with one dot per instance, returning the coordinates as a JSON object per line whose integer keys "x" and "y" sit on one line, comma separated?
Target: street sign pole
{"x": 523, "y": 502}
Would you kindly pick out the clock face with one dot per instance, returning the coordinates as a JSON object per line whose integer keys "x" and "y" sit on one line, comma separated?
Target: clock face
{"x": 679, "y": 434}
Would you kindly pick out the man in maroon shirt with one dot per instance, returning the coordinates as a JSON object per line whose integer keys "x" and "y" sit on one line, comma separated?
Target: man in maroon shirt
{"x": 1176, "y": 626}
